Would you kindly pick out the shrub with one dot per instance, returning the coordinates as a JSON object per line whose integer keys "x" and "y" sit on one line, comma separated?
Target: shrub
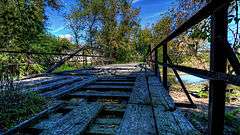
{"x": 16, "y": 104}
{"x": 65, "y": 67}
{"x": 231, "y": 116}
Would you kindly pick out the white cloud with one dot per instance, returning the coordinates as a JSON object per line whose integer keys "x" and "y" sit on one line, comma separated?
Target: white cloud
{"x": 135, "y": 1}
{"x": 69, "y": 37}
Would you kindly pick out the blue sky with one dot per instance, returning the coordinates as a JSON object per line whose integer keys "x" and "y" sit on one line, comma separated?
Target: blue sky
{"x": 150, "y": 13}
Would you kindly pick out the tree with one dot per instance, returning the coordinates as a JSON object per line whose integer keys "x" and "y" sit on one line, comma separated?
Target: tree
{"x": 21, "y": 22}
{"x": 192, "y": 43}
{"x": 22, "y": 28}
{"x": 108, "y": 24}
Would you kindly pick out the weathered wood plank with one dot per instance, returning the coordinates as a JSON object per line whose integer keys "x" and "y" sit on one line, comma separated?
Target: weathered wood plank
{"x": 69, "y": 88}
{"x": 159, "y": 95}
{"x": 184, "y": 124}
{"x": 76, "y": 121}
{"x": 33, "y": 80}
{"x": 35, "y": 118}
{"x": 121, "y": 73}
{"x": 100, "y": 94}
{"x": 54, "y": 85}
{"x": 106, "y": 107}
{"x": 140, "y": 92}
{"x": 115, "y": 107}
{"x": 108, "y": 121}
{"x": 44, "y": 81}
{"x": 102, "y": 129}
{"x": 166, "y": 123}
{"x": 80, "y": 72}
{"x": 49, "y": 122}
{"x": 173, "y": 123}
{"x": 113, "y": 83}
{"x": 116, "y": 79}
{"x": 108, "y": 87}
{"x": 137, "y": 120}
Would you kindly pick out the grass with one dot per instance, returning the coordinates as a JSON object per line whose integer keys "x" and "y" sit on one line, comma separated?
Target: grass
{"x": 67, "y": 67}
{"x": 231, "y": 116}
{"x": 200, "y": 118}
{"x": 232, "y": 94}
{"x": 17, "y": 105}
{"x": 232, "y": 122}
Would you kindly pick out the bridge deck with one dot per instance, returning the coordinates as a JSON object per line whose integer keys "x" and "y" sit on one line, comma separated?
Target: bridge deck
{"x": 107, "y": 100}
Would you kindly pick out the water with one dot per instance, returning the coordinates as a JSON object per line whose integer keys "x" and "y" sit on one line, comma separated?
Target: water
{"x": 191, "y": 79}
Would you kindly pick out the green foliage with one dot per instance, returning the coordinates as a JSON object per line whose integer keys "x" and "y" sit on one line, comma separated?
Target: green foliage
{"x": 238, "y": 130}
{"x": 22, "y": 30}
{"x": 200, "y": 116}
{"x": 202, "y": 94}
{"x": 20, "y": 23}
{"x": 162, "y": 29}
{"x": 231, "y": 118}
{"x": 65, "y": 67}
{"x": 19, "y": 106}
{"x": 16, "y": 104}
{"x": 35, "y": 64}
{"x": 109, "y": 24}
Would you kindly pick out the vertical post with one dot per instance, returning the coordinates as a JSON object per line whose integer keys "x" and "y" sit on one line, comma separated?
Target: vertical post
{"x": 152, "y": 58}
{"x": 157, "y": 73}
{"x": 217, "y": 64}
{"x": 165, "y": 83}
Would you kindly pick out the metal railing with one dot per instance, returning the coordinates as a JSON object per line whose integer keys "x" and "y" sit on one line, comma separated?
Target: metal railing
{"x": 220, "y": 52}
{"x": 55, "y": 60}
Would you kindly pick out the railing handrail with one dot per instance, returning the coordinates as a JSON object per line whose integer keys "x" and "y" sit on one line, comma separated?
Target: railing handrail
{"x": 203, "y": 13}
{"x": 45, "y": 53}
{"x": 220, "y": 52}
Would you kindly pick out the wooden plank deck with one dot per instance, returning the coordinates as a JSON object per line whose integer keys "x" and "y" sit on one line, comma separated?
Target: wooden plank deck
{"x": 100, "y": 94}
{"x": 138, "y": 120}
{"x": 43, "y": 80}
{"x": 74, "y": 122}
{"x": 113, "y": 83}
{"x": 140, "y": 93}
{"x": 173, "y": 123}
{"x": 69, "y": 88}
{"x": 159, "y": 95}
{"x": 132, "y": 104}
{"x": 54, "y": 85}
{"x": 107, "y": 87}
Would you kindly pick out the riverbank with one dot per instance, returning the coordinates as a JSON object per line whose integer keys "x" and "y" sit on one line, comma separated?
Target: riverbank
{"x": 199, "y": 116}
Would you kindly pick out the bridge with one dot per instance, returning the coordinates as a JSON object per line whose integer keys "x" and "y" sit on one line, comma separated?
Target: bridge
{"x": 114, "y": 99}
{"x": 130, "y": 99}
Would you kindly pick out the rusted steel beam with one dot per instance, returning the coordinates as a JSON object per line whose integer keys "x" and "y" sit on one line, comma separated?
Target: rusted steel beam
{"x": 218, "y": 63}
{"x": 232, "y": 58}
{"x": 151, "y": 58}
{"x": 157, "y": 72}
{"x": 209, "y": 75}
{"x": 154, "y": 57}
{"x": 165, "y": 62}
{"x": 185, "y": 105}
{"x": 203, "y": 13}
{"x": 61, "y": 62}
{"x": 43, "y": 53}
{"x": 181, "y": 83}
